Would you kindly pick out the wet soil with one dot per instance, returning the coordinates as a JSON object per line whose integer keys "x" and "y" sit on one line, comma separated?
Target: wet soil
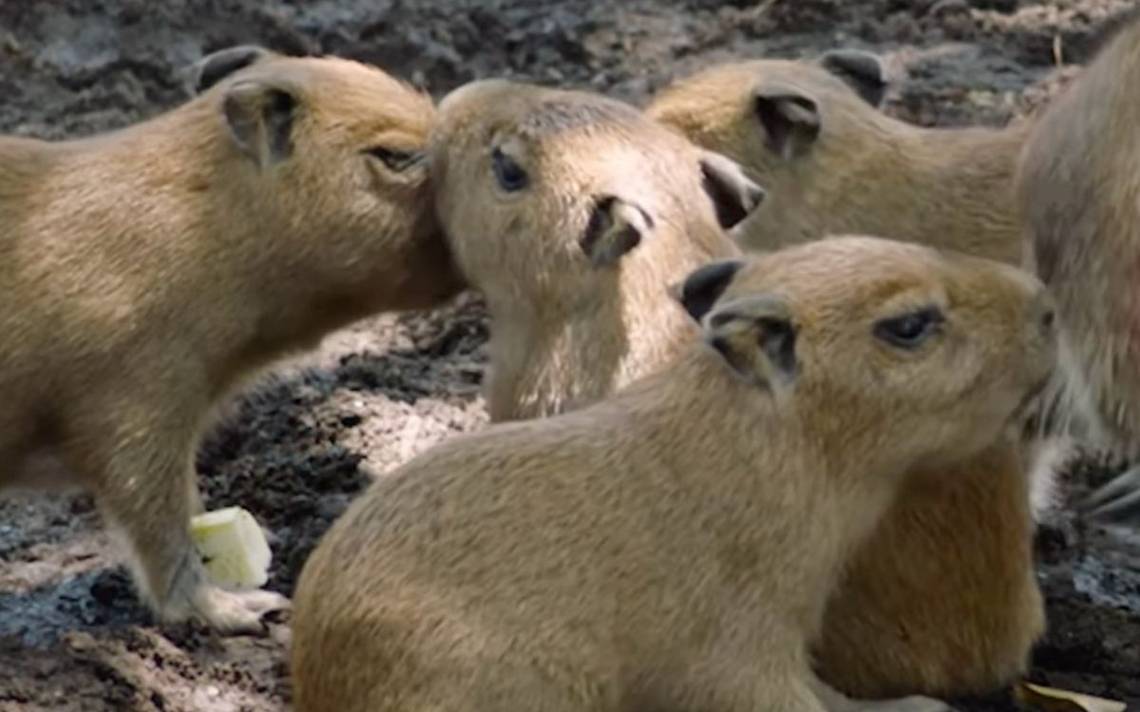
{"x": 295, "y": 448}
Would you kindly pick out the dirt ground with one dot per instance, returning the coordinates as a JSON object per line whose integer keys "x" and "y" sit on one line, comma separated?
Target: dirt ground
{"x": 299, "y": 446}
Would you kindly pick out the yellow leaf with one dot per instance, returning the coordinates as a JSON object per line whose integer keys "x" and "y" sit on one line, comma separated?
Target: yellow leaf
{"x": 1050, "y": 699}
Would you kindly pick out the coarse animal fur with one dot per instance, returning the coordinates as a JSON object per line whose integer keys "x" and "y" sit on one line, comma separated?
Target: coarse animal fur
{"x": 674, "y": 546}
{"x": 811, "y": 134}
{"x": 575, "y": 267}
{"x": 148, "y": 270}
{"x": 1078, "y": 190}
{"x": 952, "y": 568}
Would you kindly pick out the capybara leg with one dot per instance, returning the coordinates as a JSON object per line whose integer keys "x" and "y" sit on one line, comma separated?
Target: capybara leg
{"x": 194, "y": 506}
{"x": 1118, "y": 501}
{"x": 144, "y": 485}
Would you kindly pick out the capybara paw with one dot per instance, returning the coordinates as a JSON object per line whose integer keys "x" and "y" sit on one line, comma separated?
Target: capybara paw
{"x": 237, "y": 613}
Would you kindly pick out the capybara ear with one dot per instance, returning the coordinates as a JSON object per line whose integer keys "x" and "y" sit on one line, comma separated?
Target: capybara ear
{"x": 862, "y": 71}
{"x": 756, "y": 337}
{"x": 616, "y": 227}
{"x": 704, "y": 285}
{"x": 260, "y": 116}
{"x": 216, "y": 66}
{"x": 790, "y": 119}
{"x": 734, "y": 195}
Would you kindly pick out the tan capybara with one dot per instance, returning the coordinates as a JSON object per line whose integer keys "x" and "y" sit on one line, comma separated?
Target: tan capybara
{"x": 674, "y": 546}
{"x": 944, "y": 598}
{"x": 146, "y": 271}
{"x": 572, "y": 214}
{"x": 832, "y": 163}
{"x": 1078, "y": 188}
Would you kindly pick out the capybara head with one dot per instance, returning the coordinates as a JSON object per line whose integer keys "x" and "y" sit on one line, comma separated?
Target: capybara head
{"x": 548, "y": 194}
{"x": 798, "y": 127}
{"x": 874, "y": 338}
{"x": 775, "y": 112}
{"x": 331, "y": 154}
{"x": 572, "y": 213}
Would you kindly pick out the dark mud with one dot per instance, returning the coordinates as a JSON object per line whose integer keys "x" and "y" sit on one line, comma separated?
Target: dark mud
{"x": 297, "y": 447}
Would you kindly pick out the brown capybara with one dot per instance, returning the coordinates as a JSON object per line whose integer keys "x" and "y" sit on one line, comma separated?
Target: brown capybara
{"x": 1078, "y": 189}
{"x": 674, "y": 546}
{"x": 148, "y": 270}
{"x": 811, "y": 133}
{"x": 572, "y": 214}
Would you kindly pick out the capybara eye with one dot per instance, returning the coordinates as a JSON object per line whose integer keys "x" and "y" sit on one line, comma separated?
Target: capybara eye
{"x": 909, "y": 330}
{"x": 396, "y": 161}
{"x": 510, "y": 175}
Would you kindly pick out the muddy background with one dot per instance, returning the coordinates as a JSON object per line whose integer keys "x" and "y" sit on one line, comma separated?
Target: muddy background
{"x": 295, "y": 449}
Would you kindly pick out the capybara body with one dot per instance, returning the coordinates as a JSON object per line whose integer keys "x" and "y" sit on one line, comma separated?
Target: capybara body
{"x": 573, "y": 214}
{"x": 674, "y": 546}
{"x": 1078, "y": 190}
{"x": 148, "y": 270}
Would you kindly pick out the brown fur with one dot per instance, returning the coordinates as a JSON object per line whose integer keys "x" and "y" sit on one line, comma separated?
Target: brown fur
{"x": 673, "y": 546}
{"x": 563, "y": 332}
{"x": 1079, "y": 190}
{"x": 563, "y": 329}
{"x": 146, "y": 271}
{"x": 863, "y": 172}
{"x": 943, "y": 600}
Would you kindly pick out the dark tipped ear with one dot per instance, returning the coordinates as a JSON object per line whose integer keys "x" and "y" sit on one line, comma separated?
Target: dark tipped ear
{"x": 214, "y": 67}
{"x": 260, "y": 117}
{"x": 704, "y": 285}
{"x": 734, "y": 195}
{"x": 756, "y": 337}
{"x": 790, "y": 120}
{"x": 615, "y": 228}
{"x": 862, "y": 71}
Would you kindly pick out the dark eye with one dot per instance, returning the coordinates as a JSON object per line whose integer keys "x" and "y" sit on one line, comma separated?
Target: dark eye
{"x": 396, "y": 161}
{"x": 510, "y": 175}
{"x": 909, "y": 330}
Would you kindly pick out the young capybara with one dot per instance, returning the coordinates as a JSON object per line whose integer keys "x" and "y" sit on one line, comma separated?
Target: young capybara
{"x": 1078, "y": 189}
{"x": 148, "y": 270}
{"x": 674, "y": 546}
{"x": 572, "y": 214}
{"x": 811, "y": 133}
